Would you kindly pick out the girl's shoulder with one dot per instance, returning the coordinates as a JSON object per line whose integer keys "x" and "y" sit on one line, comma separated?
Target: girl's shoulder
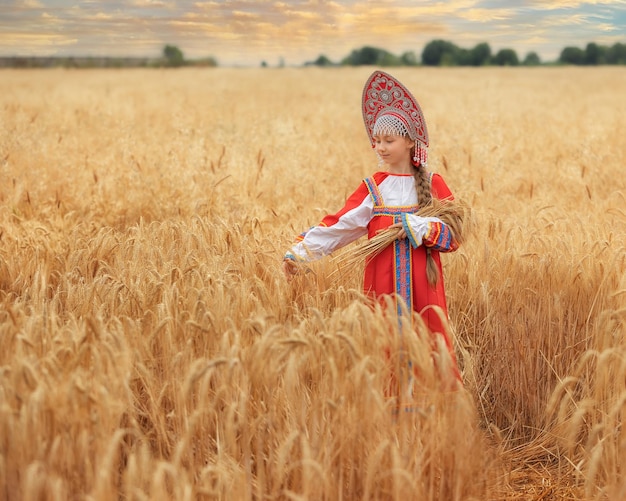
{"x": 438, "y": 186}
{"x": 380, "y": 176}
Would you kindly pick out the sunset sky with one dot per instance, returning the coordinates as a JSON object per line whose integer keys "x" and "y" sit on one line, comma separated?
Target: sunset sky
{"x": 246, "y": 32}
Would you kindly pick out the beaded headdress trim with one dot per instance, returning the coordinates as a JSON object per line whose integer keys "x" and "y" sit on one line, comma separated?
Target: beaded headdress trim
{"x": 389, "y": 125}
{"x": 384, "y": 95}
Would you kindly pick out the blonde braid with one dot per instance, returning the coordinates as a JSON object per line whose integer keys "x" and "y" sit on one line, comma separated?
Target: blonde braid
{"x": 424, "y": 198}
{"x": 422, "y": 186}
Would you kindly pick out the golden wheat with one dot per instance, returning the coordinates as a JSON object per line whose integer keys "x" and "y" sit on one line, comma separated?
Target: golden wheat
{"x": 450, "y": 212}
{"x": 150, "y": 347}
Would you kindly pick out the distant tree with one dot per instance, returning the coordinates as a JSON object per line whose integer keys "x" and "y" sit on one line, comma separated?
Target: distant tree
{"x": 595, "y": 54}
{"x": 408, "y": 59}
{"x": 506, "y": 57}
{"x": 322, "y": 60}
{"x": 389, "y": 59}
{"x": 462, "y": 57}
{"x": 263, "y": 64}
{"x": 616, "y": 54}
{"x": 206, "y": 61}
{"x": 531, "y": 59}
{"x": 371, "y": 56}
{"x": 445, "y": 53}
{"x": 572, "y": 55}
{"x": 368, "y": 55}
{"x": 439, "y": 52}
{"x": 173, "y": 56}
{"x": 480, "y": 55}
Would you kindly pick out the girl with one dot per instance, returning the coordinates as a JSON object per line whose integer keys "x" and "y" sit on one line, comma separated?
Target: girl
{"x": 410, "y": 268}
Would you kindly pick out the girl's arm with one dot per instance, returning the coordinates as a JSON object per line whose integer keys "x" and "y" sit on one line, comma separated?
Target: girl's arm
{"x": 431, "y": 231}
{"x": 335, "y": 230}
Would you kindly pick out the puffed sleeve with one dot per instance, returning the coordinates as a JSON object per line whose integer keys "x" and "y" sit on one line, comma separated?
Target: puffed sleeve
{"x": 335, "y": 230}
{"x": 431, "y": 231}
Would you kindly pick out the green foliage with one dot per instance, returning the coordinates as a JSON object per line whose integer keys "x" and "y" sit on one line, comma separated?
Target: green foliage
{"x": 440, "y": 53}
{"x": 173, "y": 56}
{"x": 445, "y": 53}
{"x": 408, "y": 59}
{"x": 371, "y": 56}
{"x": 595, "y": 54}
{"x": 480, "y": 55}
{"x": 616, "y": 54}
{"x": 322, "y": 60}
{"x": 572, "y": 55}
{"x": 532, "y": 59}
{"x": 506, "y": 57}
{"x": 435, "y": 53}
{"x": 209, "y": 62}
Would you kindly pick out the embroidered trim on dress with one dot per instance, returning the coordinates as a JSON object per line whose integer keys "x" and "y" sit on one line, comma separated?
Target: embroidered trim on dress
{"x": 403, "y": 273}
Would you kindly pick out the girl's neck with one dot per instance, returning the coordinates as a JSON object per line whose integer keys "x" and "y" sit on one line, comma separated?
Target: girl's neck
{"x": 401, "y": 169}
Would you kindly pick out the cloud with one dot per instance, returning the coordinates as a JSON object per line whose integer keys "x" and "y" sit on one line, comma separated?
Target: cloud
{"x": 241, "y": 31}
{"x": 486, "y": 15}
{"x": 29, "y": 4}
{"x": 152, "y": 4}
{"x": 573, "y": 4}
{"x": 33, "y": 44}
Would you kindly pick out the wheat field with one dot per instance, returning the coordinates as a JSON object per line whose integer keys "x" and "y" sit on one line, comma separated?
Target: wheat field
{"x": 150, "y": 347}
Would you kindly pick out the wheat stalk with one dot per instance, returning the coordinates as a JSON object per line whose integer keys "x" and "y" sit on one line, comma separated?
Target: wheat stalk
{"x": 451, "y": 212}
{"x": 150, "y": 349}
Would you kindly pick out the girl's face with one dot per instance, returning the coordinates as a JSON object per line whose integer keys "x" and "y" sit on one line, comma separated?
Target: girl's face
{"x": 395, "y": 151}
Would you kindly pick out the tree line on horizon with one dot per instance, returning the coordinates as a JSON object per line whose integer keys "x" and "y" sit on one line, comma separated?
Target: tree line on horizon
{"x": 435, "y": 53}
{"x": 445, "y": 53}
{"x": 171, "y": 57}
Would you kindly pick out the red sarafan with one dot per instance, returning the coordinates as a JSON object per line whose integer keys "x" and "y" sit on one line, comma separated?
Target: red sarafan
{"x": 409, "y": 268}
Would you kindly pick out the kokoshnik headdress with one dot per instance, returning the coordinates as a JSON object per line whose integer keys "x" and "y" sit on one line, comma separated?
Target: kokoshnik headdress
{"x": 390, "y": 109}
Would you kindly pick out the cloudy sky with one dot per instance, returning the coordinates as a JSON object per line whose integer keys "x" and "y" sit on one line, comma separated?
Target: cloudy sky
{"x": 246, "y": 32}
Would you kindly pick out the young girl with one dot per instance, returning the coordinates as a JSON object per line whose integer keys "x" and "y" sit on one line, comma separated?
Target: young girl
{"x": 410, "y": 268}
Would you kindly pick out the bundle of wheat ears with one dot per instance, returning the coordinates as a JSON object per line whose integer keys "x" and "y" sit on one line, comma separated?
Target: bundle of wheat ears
{"x": 451, "y": 212}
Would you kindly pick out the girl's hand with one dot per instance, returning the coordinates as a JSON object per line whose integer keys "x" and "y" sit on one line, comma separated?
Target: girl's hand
{"x": 290, "y": 268}
{"x": 402, "y": 232}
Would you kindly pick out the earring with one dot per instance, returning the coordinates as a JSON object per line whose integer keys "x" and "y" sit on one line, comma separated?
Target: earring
{"x": 415, "y": 152}
{"x": 421, "y": 154}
